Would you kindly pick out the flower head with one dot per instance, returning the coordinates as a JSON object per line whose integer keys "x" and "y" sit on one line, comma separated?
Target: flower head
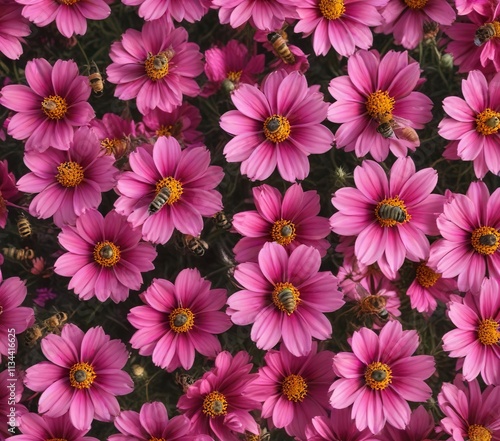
{"x": 190, "y": 10}
{"x": 420, "y": 427}
{"x": 8, "y": 191}
{"x": 13, "y": 26}
{"x": 114, "y": 134}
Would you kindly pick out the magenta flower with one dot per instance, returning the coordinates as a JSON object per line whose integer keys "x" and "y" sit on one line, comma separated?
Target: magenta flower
{"x": 70, "y": 15}
{"x": 191, "y": 10}
{"x": 83, "y": 376}
{"x": 474, "y": 122}
{"x": 68, "y": 182}
{"x": 12, "y": 384}
{"x": 290, "y": 220}
{"x": 477, "y": 333}
{"x": 470, "y": 413}
{"x": 293, "y": 389}
{"x": 285, "y": 297}
{"x": 105, "y": 256}
{"x": 276, "y": 125}
{"x": 219, "y": 404}
{"x": 152, "y": 423}
{"x": 156, "y": 65}
{"x": 8, "y": 191}
{"x": 464, "y": 7}
{"x": 380, "y": 376}
{"x": 406, "y": 19}
{"x": 341, "y": 24}
{"x": 178, "y": 320}
{"x": 51, "y": 108}
{"x": 376, "y": 90}
{"x": 470, "y": 226}
{"x": 114, "y": 134}
{"x": 390, "y": 217}
{"x": 189, "y": 180}
{"x": 420, "y": 427}
{"x": 13, "y": 26}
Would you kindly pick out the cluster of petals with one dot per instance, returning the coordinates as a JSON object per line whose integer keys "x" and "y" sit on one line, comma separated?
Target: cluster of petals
{"x": 290, "y": 220}
{"x": 278, "y": 125}
{"x": 190, "y": 10}
{"x": 156, "y": 65}
{"x": 13, "y": 26}
{"x": 473, "y": 123}
{"x": 219, "y": 404}
{"x": 8, "y": 191}
{"x": 464, "y": 7}
{"x": 83, "y": 376}
{"x": 378, "y": 88}
{"x": 190, "y": 181}
{"x": 105, "y": 256}
{"x": 420, "y": 427}
{"x": 380, "y": 376}
{"x": 114, "y": 133}
{"x": 11, "y": 419}
{"x": 51, "y": 107}
{"x": 390, "y": 216}
{"x": 285, "y": 297}
{"x": 178, "y": 320}
{"x": 68, "y": 182}
{"x": 470, "y": 227}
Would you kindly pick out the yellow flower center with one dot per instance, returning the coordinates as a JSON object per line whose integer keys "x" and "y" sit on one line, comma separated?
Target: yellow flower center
{"x": 488, "y": 122}
{"x": 485, "y": 240}
{"x": 56, "y": 439}
{"x": 252, "y": 437}
{"x": 113, "y": 146}
{"x": 68, "y": 2}
{"x": 174, "y": 187}
{"x": 426, "y": 276}
{"x": 479, "y": 433}
{"x": 286, "y": 297}
{"x": 181, "y": 320}
{"x": 331, "y": 9}
{"x": 283, "y": 232}
{"x": 488, "y": 332}
{"x": 106, "y": 254}
{"x": 156, "y": 66}
{"x": 276, "y": 128}
{"x": 153, "y": 438}
{"x": 294, "y": 387}
{"x": 416, "y": 4}
{"x": 82, "y": 375}
{"x": 391, "y": 211}
{"x": 234, "y": 76}
{"x": 54, "y": 106}
{"x": 378, "y": 375}
{"x": 215, "y": 404}
{"x": 69, "y": 174}
{"x": 379, "y": 103}
{"x": 164, "y": 131}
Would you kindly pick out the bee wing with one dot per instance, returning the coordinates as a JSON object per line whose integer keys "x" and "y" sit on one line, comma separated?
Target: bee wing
{"x": 361, "y": 290}
{"x": 403, "y": 130}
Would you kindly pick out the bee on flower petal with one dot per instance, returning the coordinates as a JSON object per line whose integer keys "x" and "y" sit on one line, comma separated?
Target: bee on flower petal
{"x": 159, "y": 200}
{"x": 396, "y": 127}
{"x": 387, "y": 211}
{"x": 485, "y": 33}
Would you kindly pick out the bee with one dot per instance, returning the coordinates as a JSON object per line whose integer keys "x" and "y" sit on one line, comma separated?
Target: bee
{"x": 493, "y": 122}
{"x": 196, "y": 245}
{"x": 24, "y": 226}
{"x": 372, "y": 305}
{"x": 18, "y": 253}
{"x": 228, "y": 85}
{"x": 279, "y": 42}
{"x": 95, "y": 79}
{"x": 431, "y": 30}
{"x": 396, "y": 127}
{"x": 54, "y": 323}
{"x": 161, "y": 60}
{"x": 287, "y": 300}
{"x": 378, "y": 375}
{"x": 273, "y": 125}
{"x": 485, "y": 33}
{"x": 488, "y": 240}
{"x": 32, "y": 335}
{"x": 159, "y": 200}
{"x": 221, "y": 221}
{"x": 391, "y": 212}
{"x": 184, "y": 380}
{"x": 49, "y": 105}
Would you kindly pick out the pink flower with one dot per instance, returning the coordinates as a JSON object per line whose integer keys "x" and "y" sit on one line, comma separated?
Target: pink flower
{"x": 13, "y": 26}
{"x": 105, "y": 256}
{"x": 290, "y": 220}
{"x": 285, "y": 297}
{"x": 178, "y": 320}
{"x": 475, "y": 122}
{"x": 186, "y": 176}
{"x": 341, "y": 24}
{"x": 420, "y": 427}
{"x": 406, "y": 19}
{"x": 477, "y": 334}
{"x": 156, "y": 66}
{"x": 390, "y": 217}
{"x": 378, "y": 90}
{"x": 83, "y": 376}
{"x": 464, "y": 7}
{"x": 152, "y": 423}
{"x": 51, "y": 108}
{"x": 10, "y": 418}
{"x": 70, "y": 15}
{"x": 470, "y": 413}
{"x": 470, "y": 226}
{"x": 68, "y": 182}
{"x": 8, "y": 191}
{"x": 276, "y": 125}
{"x": 191, "y": 10}
{"x": 229, "y": 66}
{"x": 114, "y": 134}
{"x": 380, "y": 376}
{"x": 219, "y": 404}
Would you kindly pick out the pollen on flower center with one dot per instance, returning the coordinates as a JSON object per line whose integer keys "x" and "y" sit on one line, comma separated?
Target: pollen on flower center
{"x": 416, "y": 4}
{"x": 283, "y": 232}
{"x": 56, "y": 439}
{"x": 54, "y": 107}
{"x": 174, "y": 187}
{"x": 379, "y": 103}
{"x": 391, "y": 211}
{"x": 156, "y": 66}
{"x": 106, "y": 254}
{"x": 234, "y": 76}
{"x": 68, "y": 2}
{"x": 378, "y": 375}
{"x": 286, "y": 297}
{"x": 485, "y": 240}
{"x": 488, "y": 122}
{"x": 294, "y": 387}
{"x": 215, "y": 404}
{"x": 277, "y": 128}
{"x": 82, "y": 375}
{"x": 153, "y": 438}
{"x": 488, "y": 332}
{"x": 181, "y": 320}
{"x": 110, "y": 145}
{"x": 477, "y": 432}
{"x": 331, "y": 9}
{"x": 426, "y": 277}
{"x": 164, "y": 131}
{"x": 69, "y": 174}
